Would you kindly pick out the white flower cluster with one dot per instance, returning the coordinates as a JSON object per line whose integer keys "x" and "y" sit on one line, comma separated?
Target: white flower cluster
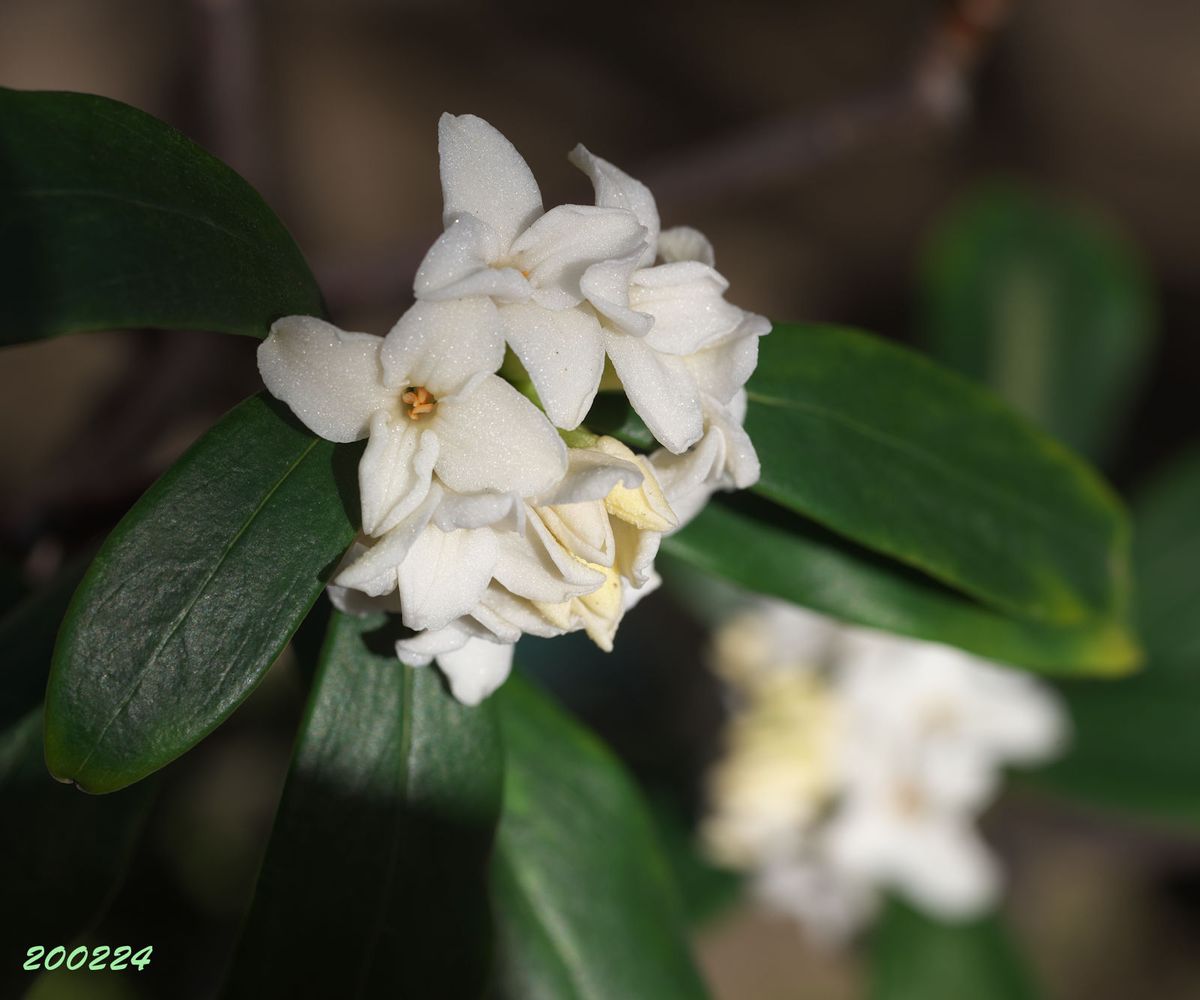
{"x": 479, "y": 524}
{"x": 858, "y": 763}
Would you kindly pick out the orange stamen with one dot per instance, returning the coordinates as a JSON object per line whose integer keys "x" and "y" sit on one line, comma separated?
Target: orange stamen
{"x": 419, "y": 402}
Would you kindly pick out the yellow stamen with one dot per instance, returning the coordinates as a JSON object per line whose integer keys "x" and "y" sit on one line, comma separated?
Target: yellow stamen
{"x": 419, "y": 402}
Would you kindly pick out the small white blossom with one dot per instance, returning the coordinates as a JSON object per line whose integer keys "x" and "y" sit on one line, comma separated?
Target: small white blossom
{"x": 698, "y": 350}
{"x": 428, "y": 400}
{"x": 858, "y": 762}
{"x": 575, "y": 560}
{"x": 499, "y": 244}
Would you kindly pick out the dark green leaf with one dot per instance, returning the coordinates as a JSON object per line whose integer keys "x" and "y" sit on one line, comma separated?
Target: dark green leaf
{"x": 111, "y": 219}
{"x": 887, "y": 449}
{"x": 1044, "y": 303}
{"x": 194, "y": 594}
{"x": 611, "y": 414}
{"x": 706, "y": 891}
{"x": 62, "y": 853}
{"x": 915, "y": 958}
{"x": 382, "y": 837}
{"x": 768, "y": 550}
{"x": 1167, "y": 566}
{"x": 1136, "y": 744}
{"x": 585, "y": 903}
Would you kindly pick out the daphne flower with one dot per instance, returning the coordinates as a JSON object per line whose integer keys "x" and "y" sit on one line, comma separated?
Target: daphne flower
{"x": 428, "y": 400}
{"x": 699, "y": 349}
{"x": 859, "y": 762}
{"x": 940, "y": 716}
{"x": 778, "y": 770}
{"x": 894, "y": 833}
{"x": 498, "y": 244}
{"x": 578, "y": 558}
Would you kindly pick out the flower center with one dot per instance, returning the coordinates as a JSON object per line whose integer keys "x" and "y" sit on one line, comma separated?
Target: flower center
{"x": 419, "y": 402}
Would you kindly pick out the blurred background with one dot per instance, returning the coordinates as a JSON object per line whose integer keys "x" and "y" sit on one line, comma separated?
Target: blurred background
{"x": 820, "y": 146}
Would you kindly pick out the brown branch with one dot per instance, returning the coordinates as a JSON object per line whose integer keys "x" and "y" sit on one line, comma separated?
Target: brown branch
{"x": 935, "y": 93}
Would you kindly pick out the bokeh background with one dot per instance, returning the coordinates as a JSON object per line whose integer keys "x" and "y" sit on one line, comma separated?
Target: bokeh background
{"x": 817, "y": 144}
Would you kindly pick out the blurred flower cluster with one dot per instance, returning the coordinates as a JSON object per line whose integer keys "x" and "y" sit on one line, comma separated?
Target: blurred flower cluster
{"x": 858, "y": 763}
{"x": 479, "y": 523}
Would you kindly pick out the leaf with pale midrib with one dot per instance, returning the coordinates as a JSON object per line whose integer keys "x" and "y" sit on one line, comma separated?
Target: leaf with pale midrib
{"x": 194, "y": 595}
{"x": 382, "y": 837}
{"x": 882, "y": 446}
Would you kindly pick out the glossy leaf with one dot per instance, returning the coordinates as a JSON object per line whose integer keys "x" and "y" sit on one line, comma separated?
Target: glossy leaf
{"x": 585, "y": 905}
{"x": 1136, "y": 744}
{"x": 110, "y": 218}
{"x": 903, "y": 457}
{"x": 194, "y": 595}
{"x": 1046, "y": 304}
{"x": 62, "y": 853}
{"x": 915, "y": 958}
{"x": 770, "y": 551}
{"x": 382, "y": 837}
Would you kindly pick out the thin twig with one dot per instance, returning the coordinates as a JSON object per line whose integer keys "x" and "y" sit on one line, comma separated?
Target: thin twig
{"x": 935, "y": 93}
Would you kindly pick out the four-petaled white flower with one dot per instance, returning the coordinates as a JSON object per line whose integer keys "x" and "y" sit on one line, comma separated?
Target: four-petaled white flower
{"x": 426, "y": 396}
{"x": 535, "y": 266}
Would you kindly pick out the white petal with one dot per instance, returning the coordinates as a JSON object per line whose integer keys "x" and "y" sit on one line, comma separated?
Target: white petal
{"x": 476, "y": 670}
{"x": 723, "y": 370}
{"x": 583, "y": 529}
{"x": 689, "y": 479}
{"x": 536, "y": 566}
{"x": 420, "y": 649}
{"x": 660, "y": 389}
{"x": 483, "y": 174}
{"x": 395, "y": 471}
{"x": 616, "y": 189}
{"x": 738, "y": 406}
{"x": 331, "y": 379}
{"x": 375, "y": 572}
{"x": 478, "y": 510}
{"x": 557, "y": 249}
{"x": 948, "y": 871}
{"x": 685, "y": 243}
{"x": 507, "y": 616}
{"x": 633, "y": 593}
{"x": 740, "y": 467}
{"x": 440, "y": 345}
{"x": 493, "y": 438}
{"x": 591, "y": 475}
{"x": 355, "y": 602}
{"x": 459, "y": 264}
{"x": 687, "y": 304}
{"x": 444, "y": 575}
{"x": 564, "y": 355}
{"x": 606, "y": 287}
{"x": 636, "y": 551}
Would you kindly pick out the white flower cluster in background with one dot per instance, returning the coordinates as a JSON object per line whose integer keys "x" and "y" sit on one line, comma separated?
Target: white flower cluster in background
{"x": 479, "y": 524}
{"x": 858, "y": 763}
